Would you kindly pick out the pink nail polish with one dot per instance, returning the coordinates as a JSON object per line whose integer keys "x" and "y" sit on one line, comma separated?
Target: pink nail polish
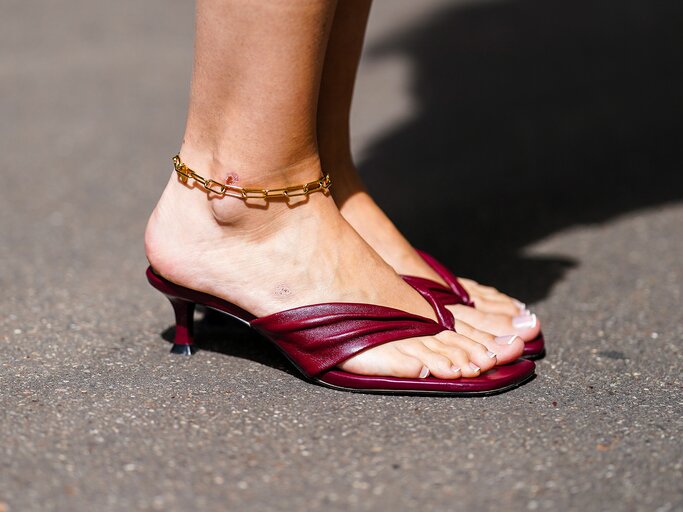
{"x": 524, "y": 321}
{"x": 491, "y": 355}
{"x": 474, "y": 367}
{"x": 455, "y": 369}
{"x": 424, "y": 373}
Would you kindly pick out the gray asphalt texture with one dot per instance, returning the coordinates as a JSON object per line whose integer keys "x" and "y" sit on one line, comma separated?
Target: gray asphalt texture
{"x": 549, "y": 135}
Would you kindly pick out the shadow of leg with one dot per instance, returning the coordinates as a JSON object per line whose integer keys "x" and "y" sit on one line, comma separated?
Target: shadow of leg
{"x": 533, "y": 117}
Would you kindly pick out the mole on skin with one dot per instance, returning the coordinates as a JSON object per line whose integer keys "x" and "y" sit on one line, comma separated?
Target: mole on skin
{"x": 281, "y": 290}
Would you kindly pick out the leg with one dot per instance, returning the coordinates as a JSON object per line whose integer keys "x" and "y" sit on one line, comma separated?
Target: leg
{"x": 252, "y": 115}
{"x": 495, "y": 311}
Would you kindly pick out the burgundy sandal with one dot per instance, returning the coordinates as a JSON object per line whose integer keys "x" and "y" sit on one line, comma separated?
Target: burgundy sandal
{"x": 455, "y": 293}
{"x": 317, "y": 338}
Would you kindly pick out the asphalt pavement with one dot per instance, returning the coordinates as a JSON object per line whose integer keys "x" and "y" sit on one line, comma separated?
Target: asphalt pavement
{"x": 549, "y": 133}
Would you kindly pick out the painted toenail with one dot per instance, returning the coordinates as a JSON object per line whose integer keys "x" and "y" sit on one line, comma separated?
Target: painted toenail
{"x": 524, "y": 321}
{"x": 455, "y": 369}
{"x": 490, "y": 354}
{"x": 506, "y": 340}
{"x": 520, "y": 305}
{"x": 424, "y": 372}
{"x": 474, "y": 367}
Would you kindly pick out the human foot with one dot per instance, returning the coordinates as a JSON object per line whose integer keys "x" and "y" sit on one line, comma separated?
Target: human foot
{"x": 281, "y": 256}
{"x": 495, "y": 312}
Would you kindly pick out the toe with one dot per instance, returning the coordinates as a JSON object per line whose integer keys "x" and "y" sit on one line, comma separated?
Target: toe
{"x": 507, "y": 348}
{"x": 489, "y": 292}
{"x": 526, "y": 326}
{"x": 477, "y": 353}
{"x": 496, "y": 305}
{"x": 473, "y": 287}
{"x": 440, "y": 365}
{"x": 386, "y": 361}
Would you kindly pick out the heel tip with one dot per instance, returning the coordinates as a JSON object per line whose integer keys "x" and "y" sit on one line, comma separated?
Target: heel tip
{"x": 184, "y": 350}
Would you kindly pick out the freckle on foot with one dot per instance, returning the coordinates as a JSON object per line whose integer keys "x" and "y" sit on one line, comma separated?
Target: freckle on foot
{"x": 282, "y": 290}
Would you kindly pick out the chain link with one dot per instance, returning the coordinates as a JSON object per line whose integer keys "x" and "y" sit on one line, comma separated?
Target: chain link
{"x": 184, "y": 173}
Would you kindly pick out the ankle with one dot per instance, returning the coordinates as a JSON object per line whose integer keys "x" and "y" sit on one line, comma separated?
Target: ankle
{"x": 221, "y": 167}
{"x": 347, "y": 181}
{"x": 278, "y": 169}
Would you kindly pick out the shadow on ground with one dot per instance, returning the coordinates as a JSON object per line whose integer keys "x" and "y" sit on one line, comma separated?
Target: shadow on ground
{"x": 533, "y": 117}
{"x": 219, "y": 333}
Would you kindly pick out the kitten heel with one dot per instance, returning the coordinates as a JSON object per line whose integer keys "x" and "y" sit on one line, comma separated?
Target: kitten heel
{"x": 183, "y": 342}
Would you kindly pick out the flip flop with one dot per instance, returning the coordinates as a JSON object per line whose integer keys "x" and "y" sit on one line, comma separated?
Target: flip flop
{"x": 319, "y": 337}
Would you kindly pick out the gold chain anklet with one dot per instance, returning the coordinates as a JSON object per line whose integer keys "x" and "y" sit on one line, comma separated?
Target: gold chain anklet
{"x": 184, "y": 173}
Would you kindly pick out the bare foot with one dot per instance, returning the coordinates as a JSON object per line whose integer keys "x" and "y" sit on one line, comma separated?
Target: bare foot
{"x": 267, "y": 259}
{"x": 495, "y": 312}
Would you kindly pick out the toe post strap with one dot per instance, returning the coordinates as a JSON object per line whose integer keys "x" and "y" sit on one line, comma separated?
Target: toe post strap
{"x": 321, "y": 336}
{"x": 448, "y": 276}
{"x": 438, "y": 297}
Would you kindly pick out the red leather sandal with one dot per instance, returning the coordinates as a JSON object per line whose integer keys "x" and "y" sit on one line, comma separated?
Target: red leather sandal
{"x": 455, "y": 293}
{"x": 318, "y": 337}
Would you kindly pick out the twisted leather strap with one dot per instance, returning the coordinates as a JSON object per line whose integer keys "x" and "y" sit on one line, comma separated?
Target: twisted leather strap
{"x": 438, "y": 297}
{"x": 319, "y": 337}
{"x": 449, "y": 277}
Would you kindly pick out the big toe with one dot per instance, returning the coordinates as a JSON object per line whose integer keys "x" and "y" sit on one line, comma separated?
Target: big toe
{"x": 386, "y": 361}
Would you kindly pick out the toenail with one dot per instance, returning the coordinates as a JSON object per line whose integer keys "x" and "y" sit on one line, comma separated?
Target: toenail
{"x": 474, "y": 367}
{"x": 524, "y": 321}
{"x": 424, "y": 372}
{"x": 455, "y": 369}
{"x": 520, "y": 305}
{"x": 490, "y": 354}
{"x": 506, "y": 340}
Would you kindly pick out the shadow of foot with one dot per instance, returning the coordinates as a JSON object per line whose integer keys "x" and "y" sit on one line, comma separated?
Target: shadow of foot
{"x": 219, "y": 333}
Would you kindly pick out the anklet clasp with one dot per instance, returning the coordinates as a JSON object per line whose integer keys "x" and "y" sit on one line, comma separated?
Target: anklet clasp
{"x": 185, "y": 173}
